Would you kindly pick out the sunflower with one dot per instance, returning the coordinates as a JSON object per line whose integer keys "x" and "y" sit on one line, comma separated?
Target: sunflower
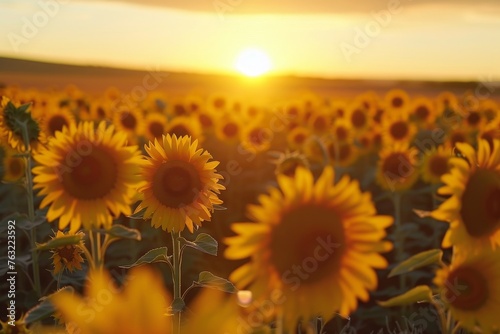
{"x": 88, "y": 176}
{"x": 67, "y": 257}
{"x": 473, "y": 210}
{"x": 397, "y": 129}
{"x": 344, "y": 153}
{"x": 228, "y": 129}
{"x": 55, "y": 119}
{"x": 11, "y": 131}
{"x": 102, "y": 309}
{"x": 316, "y": 243}
{"x": 470, "y": 288}
{"x": 181, "y": 185}
{"x": 129, "y": 121}
{"x": 341, "y": 130}
{"x": 397, "y": 99}
{"x": 446, "y": 101}
{"x": 12, "y": 167}
{"x": 155, "y": 125}
{"x": 423, "y": 112}
{"x": 458, "y": 135}
{"x": 288, "y": 162}
{"x": 256, "y": 138}
{"x": 185, "y": 126}
{"x": 297, "y": 137}
{"x": 320, "y": 122}
{"x": 100, "y": 110}
{"x": 490, "y": 132}
{"x": 435, "y": 164}
{"x": 397, "y": 170}
{"x": 474, "y": 120}
{"x": 359, "y": 117}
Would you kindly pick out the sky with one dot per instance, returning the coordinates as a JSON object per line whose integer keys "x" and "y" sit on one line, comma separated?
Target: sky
{"x": 362, "y": 39}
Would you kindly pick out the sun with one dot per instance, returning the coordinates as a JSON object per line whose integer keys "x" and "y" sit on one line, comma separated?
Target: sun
{"x": 253, "y": 62}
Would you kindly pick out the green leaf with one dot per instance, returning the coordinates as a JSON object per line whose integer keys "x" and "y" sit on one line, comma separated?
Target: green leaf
{"x": 209, "y": 280}
{"x": 178, "y": 305}
{"x": 419, "y": 293}
{"x": 138, "y": 215}
{"x": 43, "y": 310}
{"x": 60, "y": 242}
{"x": 204, "y": 243}
{"x": 152, "y": 256}
{"x": 417, "y": 261}
{"x": 122, "y": 232}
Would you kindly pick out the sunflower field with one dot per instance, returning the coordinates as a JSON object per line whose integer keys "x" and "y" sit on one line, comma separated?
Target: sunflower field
{"x": 209, "y": 214}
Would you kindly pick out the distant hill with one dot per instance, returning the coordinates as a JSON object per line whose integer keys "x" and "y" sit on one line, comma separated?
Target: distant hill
{"x": 43, "y": 75}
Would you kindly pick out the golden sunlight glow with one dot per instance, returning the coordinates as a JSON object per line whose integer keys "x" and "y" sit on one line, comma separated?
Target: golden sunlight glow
{"x": 253, "y": 62}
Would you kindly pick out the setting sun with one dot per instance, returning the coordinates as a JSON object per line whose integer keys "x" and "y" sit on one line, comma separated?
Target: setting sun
{"x": 253, "y": 62}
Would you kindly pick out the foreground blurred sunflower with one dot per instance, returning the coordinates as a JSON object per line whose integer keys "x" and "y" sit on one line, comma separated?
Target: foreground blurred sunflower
{"x": 470, "y": 288}
{"x": 473, "y": 210}
{"x": 19, "y": 327}
{"x": 69, "y": 256}
{"x": 105, "y": 309}
{"x": 288, "y": 162}
{"x": 88, "y": 176}
{"x": 181, "y": 185}
{"x": 185, "y": 126}
{"x": 317, "y": 243}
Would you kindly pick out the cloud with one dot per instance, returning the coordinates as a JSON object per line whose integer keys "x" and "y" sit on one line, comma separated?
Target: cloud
{"x": 300, "y": 6}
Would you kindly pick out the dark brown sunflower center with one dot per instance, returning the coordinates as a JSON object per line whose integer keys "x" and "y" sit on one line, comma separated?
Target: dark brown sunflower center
{"x": 101, "y": 113}
{"x": 399, "y": 130}
{"x": 156, "y": 129}
{"x": 473, "y": 118}
{"x": 179, "y": 130}
{"x": 92, "y": 176}
{"x": 67, "y": 253}
{"x": 395, "y": 165}
{"x": 219, "y": 103}
{"x": 230, "y": 130}
{"x": 180, "y": 110}
{"x": 438, "y": 165}
{"x": 16, "y": 167}
{"x": 176, "y": 183}
{"x": 205, "y": 121}
{"x": 422, "y": 112}
{"x": 258, "y": 137}
{"x": 56, "y": 123}
{"x": 299, "y": 138}
{"x": 397, "y": 102}
{"x": 378, "y": 115}
{"x": 358, "y": 118}
{"x": 466, "y": 289}
{"x": 320, "y": 123}
{"x": 341, "y": 133}
{"x": 307, "y": 244}
{"x": 480, "y": 209}
{"x": 128, "y": 120}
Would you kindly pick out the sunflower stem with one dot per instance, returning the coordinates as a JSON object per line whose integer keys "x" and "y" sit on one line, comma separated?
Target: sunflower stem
{"x": 31, "y": 209}
{"x": 399, "y": 240}
{"x": 176, "y": 277}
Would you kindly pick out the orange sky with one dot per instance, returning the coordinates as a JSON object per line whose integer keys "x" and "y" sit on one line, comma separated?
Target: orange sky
{"x": 395, "y": 39}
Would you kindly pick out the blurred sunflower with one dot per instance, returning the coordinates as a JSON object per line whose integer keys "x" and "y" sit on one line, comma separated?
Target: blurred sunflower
{"x": 128, "y": 120}
{"x": 446, "y": 101}
{"x": 185, "y": 126}
{"x": 69, "y": 256}
{"x": 473, "y": 120}
{"x": 397, "y": 129}
{"x": 256, "y": 138}
{"x": 207, "y": 120}
{"x": 288, "y": 162}
{"x": 155, "y": 125}
{"x": 341, "y": 130}
{"x": 12, "y": 167}
{"x": 320, "y": 122}
{"x": 228, "y": 129}
{"x": 397, "y": 100}
{"x": 359, "y": 118}
{"x": 473, "y": 210}
{"x": 181, "y": 185}
{"x": 317, "y": 243}
{"x": 145, "y": 312}
{"x": 397, "y": 167}
{"x": 490, "y": 132}
{"x": 344, "y": 154}
{"x": 470, "y": 288}
{"x": 423, "y": 112}
{"x": 297, "y": 137}
{"x": 100, "y": 110}
{"x": 435, "y": 163}
{"x": 88, "y": 176}
{"x": 458, "y": 135}
{"x": 11, "y": 131}
{"x": 55, "y": 119}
